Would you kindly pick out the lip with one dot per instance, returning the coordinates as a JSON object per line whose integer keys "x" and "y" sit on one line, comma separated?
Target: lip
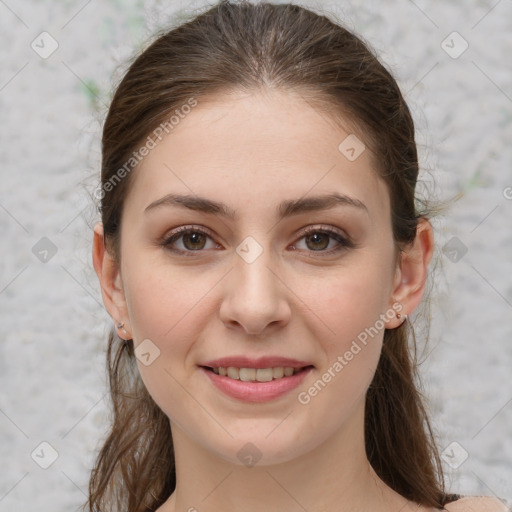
{"x": 256, "y": 392}
{"x": 261, "y": 362}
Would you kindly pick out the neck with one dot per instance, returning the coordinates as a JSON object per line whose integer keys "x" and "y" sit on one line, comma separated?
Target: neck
{"x": 335, "y": 476}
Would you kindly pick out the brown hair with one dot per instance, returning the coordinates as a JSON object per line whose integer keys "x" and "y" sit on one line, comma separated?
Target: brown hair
{"x": 247, "y": 46}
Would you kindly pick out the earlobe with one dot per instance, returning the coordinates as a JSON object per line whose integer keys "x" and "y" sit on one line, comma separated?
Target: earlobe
{"x": 110, "y": 281}
{"x": 411, "y": 276}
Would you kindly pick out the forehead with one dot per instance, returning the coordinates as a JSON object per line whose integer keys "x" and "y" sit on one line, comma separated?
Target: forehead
{"x": 243, "y": 148}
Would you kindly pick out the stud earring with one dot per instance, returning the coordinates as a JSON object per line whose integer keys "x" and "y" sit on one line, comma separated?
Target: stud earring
{"x": 398, "y": 315}
{"x": 121, "y": 326}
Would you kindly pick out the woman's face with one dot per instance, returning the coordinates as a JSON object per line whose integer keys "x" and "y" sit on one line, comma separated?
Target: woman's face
{"x": 251, "y": 283}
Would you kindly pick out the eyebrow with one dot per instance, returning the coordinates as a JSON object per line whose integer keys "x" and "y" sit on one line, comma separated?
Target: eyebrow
{"x": 287, "y": 208}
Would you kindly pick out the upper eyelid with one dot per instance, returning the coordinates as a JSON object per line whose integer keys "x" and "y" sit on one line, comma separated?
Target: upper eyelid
{"x": 192, "y": 227}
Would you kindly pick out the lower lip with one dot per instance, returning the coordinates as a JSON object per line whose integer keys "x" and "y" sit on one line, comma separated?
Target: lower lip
{"x": 256, "y": 391}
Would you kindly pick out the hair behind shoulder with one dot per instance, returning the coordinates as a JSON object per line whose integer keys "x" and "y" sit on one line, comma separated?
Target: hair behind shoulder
{"x": 478, "y": 504}
{"x": 246, "y": 46}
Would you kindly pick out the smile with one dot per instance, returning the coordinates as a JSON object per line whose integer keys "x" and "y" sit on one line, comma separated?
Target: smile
{"x": 256, "y": 384}
{"x": 256, "y": 374}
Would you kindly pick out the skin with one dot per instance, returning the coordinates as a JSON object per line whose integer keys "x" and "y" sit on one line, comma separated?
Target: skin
{"x": 252, "y": 151}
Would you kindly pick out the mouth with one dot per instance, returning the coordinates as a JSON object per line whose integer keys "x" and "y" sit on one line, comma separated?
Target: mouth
{"x": 257, "y": 374}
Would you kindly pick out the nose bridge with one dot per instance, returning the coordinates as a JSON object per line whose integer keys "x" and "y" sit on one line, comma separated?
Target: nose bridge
{"x": 254, "y": 296}
{"x": 253, "y": 275}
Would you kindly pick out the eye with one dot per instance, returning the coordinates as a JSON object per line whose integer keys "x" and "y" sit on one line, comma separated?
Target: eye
{"x": 193, "y": 239}
{"x": 319, "y": 239}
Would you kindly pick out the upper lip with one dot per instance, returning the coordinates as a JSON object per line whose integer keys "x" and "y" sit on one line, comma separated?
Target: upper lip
{"x": 261, "y": 362}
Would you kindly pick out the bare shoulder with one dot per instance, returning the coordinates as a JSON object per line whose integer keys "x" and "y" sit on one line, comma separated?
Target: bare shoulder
{"x": 477, "y": 504}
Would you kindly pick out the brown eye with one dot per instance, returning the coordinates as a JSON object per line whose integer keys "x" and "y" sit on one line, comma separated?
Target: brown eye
{"x": 190, "y": 239}
{"x": 317, "y": 241}
{"x": 195, "y": 239}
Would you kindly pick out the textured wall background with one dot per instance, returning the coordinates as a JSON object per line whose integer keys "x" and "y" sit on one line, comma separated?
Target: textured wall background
{"x": 52, "y": 322}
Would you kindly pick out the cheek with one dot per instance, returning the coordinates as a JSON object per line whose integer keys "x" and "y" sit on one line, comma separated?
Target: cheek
{"x": 168, "y": 306}
{"x": 350, "y": 308}
{"x": 162, "y": 299}
{"x": 166, "y": 309}
{"x": 350, "y": 336}
{"x": 349, "y": 302}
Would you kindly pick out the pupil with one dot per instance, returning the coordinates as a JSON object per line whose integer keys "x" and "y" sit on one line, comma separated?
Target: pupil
{"x": 320, "y": 235}
{"x": 195, "y": 237}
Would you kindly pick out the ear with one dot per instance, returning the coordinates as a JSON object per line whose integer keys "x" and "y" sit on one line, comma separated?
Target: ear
{"x": 412, "y": 271}
{"x": 111, "y": 284}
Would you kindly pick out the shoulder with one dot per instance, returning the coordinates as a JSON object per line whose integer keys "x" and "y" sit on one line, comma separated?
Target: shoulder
{"x": 477, "y": 504}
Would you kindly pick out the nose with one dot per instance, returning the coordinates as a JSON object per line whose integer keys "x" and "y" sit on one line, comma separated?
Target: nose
{"x": 255, "y": 297}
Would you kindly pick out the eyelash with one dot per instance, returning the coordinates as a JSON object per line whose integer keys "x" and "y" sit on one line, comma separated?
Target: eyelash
{"x": 344, "y": 243}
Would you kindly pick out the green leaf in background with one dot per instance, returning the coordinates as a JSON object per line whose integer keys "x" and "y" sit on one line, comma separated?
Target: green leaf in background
{"x": 477, "y": 180}
{"x": 92, "y": 92}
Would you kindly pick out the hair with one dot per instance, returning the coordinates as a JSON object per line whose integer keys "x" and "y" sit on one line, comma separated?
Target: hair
{"x": 245, "y": 47}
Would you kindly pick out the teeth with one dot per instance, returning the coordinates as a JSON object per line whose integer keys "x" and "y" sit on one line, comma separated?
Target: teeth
{"x": 278, "y": 372}
{"x": 288, "y": 372}
{"x": 256, "y": 374}
{"x": 233, "y": 373}
{"x": 247, "y": 374}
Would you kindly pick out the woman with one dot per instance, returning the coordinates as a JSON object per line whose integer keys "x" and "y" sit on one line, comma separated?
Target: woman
{"x": 260, "y": 251}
